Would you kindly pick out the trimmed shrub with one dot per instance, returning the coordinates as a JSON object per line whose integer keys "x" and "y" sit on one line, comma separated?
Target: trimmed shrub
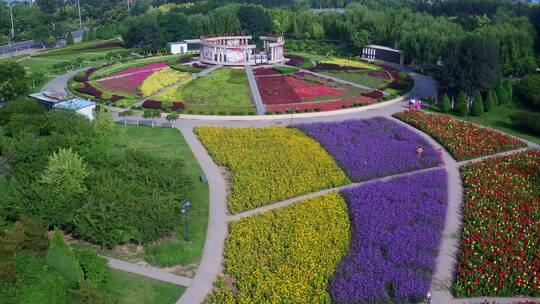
{"x": 446, "y": 106}
{"x": 78, "y": 86}
{"x": 177, "y": 105}
{"x": 489, "y": 102}
{"x": 62, "y": 258}
{"x": 172, "y": 116}
{"x": 528, "y": 121}
{"x": 95, "y": 268}
{"x": 461, "y": 104}
{"x": 151, "y": 104}
{"x": 150, "y": 113}
{"x": 477, "y": 108}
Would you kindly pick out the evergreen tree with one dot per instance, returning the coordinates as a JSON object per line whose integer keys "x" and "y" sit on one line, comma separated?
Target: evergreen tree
{"x": 495, "y": 98}
{"x": 91, "y": 34}
{"x": 69, "y": 39}
{"x": 85, "y": 36}
{"x": 461, "y": 104}
{"x": 489, "y": 102}
{"x": 62, "y": 258}
{"x": 502, "y": 94}
{"x": 477, "y": 108}
{"x": 509, "y": 91}
{"x": 446, "y": 106}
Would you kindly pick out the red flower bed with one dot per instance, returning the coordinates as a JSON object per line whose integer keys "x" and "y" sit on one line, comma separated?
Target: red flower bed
{"x": 276, "y": 90}
{"x": 462, "y": 139}
{"x": 322, "y": 106}
{"x": 308, "y": 90}
{"x": 499, "y": 251}
{"x": 264, "y": 72}
{"x": 391, "y": 70}
{"x": 151, "y": 104}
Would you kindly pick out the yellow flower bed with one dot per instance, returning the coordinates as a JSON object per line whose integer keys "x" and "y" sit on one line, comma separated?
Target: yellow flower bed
{"x": 270, "y": 164}
{"x": 160, "y": 79}
{"x": 286, "y": 255}
{"x": 352, "y": 63}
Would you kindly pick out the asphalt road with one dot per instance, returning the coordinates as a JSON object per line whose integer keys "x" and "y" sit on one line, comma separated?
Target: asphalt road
{"x": 6, "y": 49}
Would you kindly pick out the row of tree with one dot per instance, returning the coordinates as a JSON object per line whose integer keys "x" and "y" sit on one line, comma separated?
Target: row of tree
{"x": 476, "y": 105}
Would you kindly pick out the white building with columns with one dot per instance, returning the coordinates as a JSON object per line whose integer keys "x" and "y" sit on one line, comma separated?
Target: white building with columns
{"x": 238, "y": 50}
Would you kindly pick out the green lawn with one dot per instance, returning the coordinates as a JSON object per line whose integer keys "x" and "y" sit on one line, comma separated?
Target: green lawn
{"x": 128, "y": 288}
{"x": 499, "y": 118}
{"x": 359, "y": 77}
{"x": 168, "y": 143}
{"x": 225, "y": 89}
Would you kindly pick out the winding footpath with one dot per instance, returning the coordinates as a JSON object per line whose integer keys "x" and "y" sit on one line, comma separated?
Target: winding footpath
{"x": 211, "y": 264}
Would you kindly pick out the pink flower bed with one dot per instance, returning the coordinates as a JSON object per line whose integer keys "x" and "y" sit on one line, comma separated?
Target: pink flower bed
{"x": 309, "y": 90}
{"x": 128, "y": 84}
{"x": 142, "y": 68}
{"x": 323, "y": 106}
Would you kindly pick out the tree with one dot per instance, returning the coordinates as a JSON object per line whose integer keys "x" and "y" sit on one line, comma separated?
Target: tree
{"x": 14, "y": 81}
{"x": 477, "y": 105}
{"x": 69, "y": 39}
{"x": 495, "y": 98}
{"x": 509, "y": 91}
{"x": 48, "y": 6}
{"x": 502, "y": 94}
{"x": 144, "y": 31}
{"x": 461, "y": 104}
{"x": 60, "y": 185}
{"x": 446, "y": 106}
{"x": 255, "y": 20}
{"x": 489, "y": 102}
{"x": 103, "y": 121}
{"x": 472, "y": 64}
{"x": 62, "y": 258}
{"x": 361, "y": 38}
{"x": 529, "y": 90}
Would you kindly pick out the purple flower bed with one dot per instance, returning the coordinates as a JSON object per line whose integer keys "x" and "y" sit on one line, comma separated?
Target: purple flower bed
{"x": 374, "y": 94}
{"x": 151, "y": 104}
{"x": 396, "y": 228}
{"x": 90, "y": 90}
{"x": 373, "y": 148}
{"x": 379, "y": 74}
{"x": 295, "y": 60}
{"x": 117, "y": 98}
{"x": 177, "y": 105}
{"x": 335, "y": 67}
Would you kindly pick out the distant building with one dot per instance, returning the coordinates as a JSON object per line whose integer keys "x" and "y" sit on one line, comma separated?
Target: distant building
{"x": 52, "y": 100}
{"x": 238, "y": 50}
{"x": 184, "y": 46}
{"x": 77, "y": 105}
{"x": 382, "y": 53}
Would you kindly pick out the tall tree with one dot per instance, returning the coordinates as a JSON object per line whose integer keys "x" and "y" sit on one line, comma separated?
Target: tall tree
{"x": 14, "y": 81}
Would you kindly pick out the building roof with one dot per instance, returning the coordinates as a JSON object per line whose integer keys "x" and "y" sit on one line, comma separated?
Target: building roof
{"x": 381, "y": 47}
{"x": 74, "y": 104}
{"x": 49, "y": 96}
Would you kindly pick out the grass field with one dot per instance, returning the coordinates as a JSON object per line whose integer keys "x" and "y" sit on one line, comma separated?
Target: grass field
{"x": 225, "y": 89}
{"x": 168, "y": 143}
{"x": 128, "y": 288}
{"x": 499, "y": 119}
{"x": 361, "y": 78}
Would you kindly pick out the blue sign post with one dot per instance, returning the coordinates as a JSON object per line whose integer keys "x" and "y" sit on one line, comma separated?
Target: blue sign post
{"x": 185, "y": 205}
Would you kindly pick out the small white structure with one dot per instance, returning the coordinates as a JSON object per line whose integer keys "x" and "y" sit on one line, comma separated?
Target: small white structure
{"x": 382, "y": 53}
{"x": 184, "y": 46}
{"x": 77, "y": 105}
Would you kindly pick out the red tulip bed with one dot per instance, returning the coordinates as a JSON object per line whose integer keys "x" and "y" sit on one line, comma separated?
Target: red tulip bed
{"x": 499, "y": 251}
{"x": 130, "y": 79}
{"x": 462, "y": 139}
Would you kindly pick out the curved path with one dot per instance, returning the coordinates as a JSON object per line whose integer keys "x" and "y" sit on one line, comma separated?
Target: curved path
{"x": 212, "y": 258}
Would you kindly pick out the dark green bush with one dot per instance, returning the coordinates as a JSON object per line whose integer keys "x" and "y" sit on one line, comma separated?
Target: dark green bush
{"x": 489, "y": 102}
{"x": 185, "y": 68}
{"x": 95, "y": 268}
{"x": 527, "y": 121}
{"x": 477, "y": 108}
{"x": 461, "y": 104}
{"x": 529, "y": 90}
{"x": 446, "y": 106}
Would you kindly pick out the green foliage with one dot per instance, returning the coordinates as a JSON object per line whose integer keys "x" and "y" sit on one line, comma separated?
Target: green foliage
{"x": 95, "y": 268}
{"x": 489, "y": 102}
{"x": 446, "y": 105}
{"x": 62, "y": 258}
{"x": 461, "y": 107}
{"x": 509, "y": 86}
{"x": 285, "y": 70}
{"x": 477, "y": 108}
{"x": 69, "y": 39}
{"x": 60, "y": 186}
{"x": 14, "y": 81}
{"x": 151, "y": 113}
{"x": 495, "y": 98}
{"x": 103, "y": 121}
{"x": 527, "y": 121}
{"x": 502, "y": 94}
{"x": 185, "y": 68}
{"x": 89, "y": 295}
{"x": 529, "y": 90}
{"x": 37, "y": 282}
{"x": 172, "y": 116}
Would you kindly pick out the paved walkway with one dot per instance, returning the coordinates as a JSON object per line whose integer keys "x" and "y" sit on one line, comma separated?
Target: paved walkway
{"x": 254, "y": 90}
{"x": 148, "y": 271}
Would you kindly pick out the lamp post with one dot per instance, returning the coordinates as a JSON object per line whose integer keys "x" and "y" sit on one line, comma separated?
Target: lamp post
{"x": 10, "y": 4}
{"x": 185, "y": 205}
{"x": 79, "y": 8}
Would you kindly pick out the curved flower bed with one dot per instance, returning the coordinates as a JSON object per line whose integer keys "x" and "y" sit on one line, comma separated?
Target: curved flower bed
{"x": 499, "y": 251}
{"x": 396, "y": 228}
{"x": 286, "y": 255}
{"x": 161, "y": 79}
{"x": 373, "y": 148}
{"x": 322, "y": 106}
{"x": 308, "y": 90}
{"x": 147, "y": 69}
{"x": 276, "y": 90}
{"x": 462, "y": 139}
{"x": 269, "y": 164}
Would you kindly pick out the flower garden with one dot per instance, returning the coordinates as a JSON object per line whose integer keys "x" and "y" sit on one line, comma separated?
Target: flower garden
{"x": 287, "y": 255}
{"x": 499, "y": 253}
{"x": 269, "y": 164}
{"x": 462, "y": 139}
